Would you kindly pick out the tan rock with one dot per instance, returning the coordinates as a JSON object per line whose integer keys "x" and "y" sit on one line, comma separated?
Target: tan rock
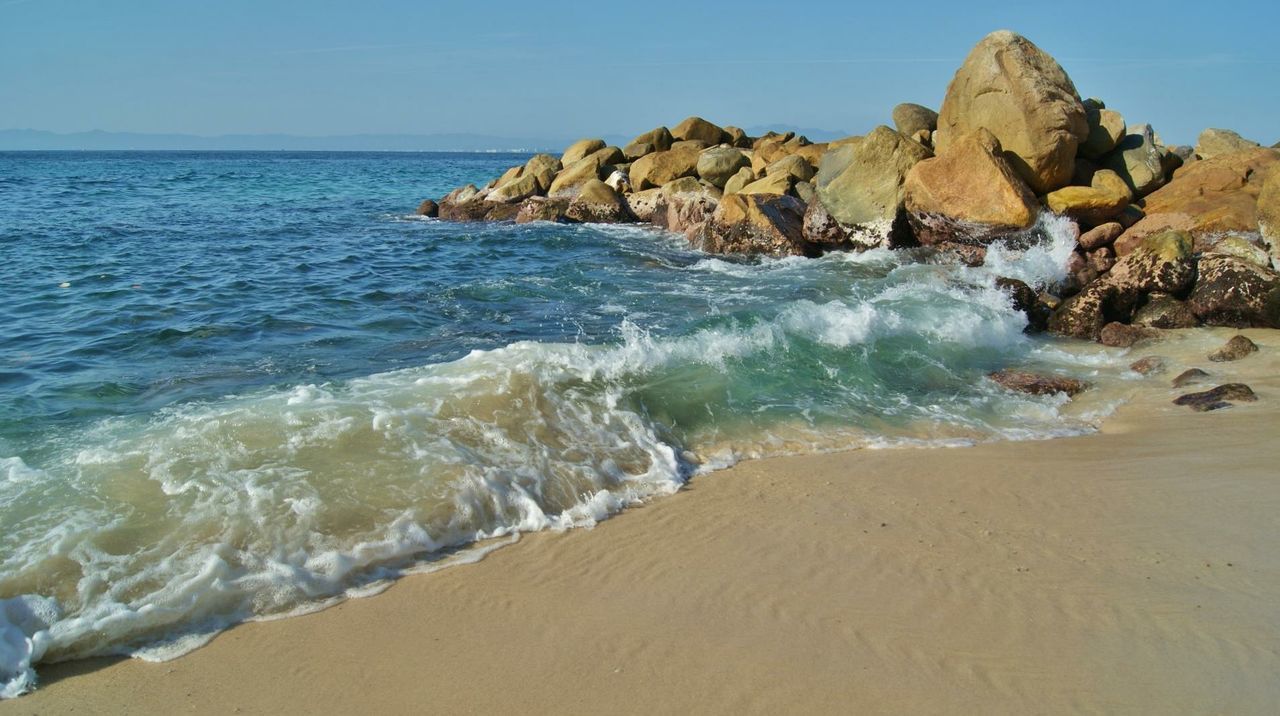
{"x": 1218, "y": 142}
{"x": 1106, "y": 197}
{"x": 794, "y": 165}
{"x": 739, "y": 181}
{"x": 718, "y": 164}
{"x": 514, "y": 190}
{"x": 597, "y": 202}
{"x": 775, "y": 184}
{"x": 635, "y": 150}
{"x": 543, "y": 168}
{"x": 910, "y": 118}
{"x": 697, "y": 128}
{"x": 1106, "y": 129}
{"x": 658, "y": 168}
{"x": 659, "y": 138}
{"x": 737, "y": 137}
{"x": 581, "y": 149}
{"x": 1101, "y": 236}
{"x": 644, "y": 205}
{"x": 689, "y": 203}
{"x": 1138, "y": 160}
{"x": 1219, "y": 194}
{"x": 593, "y": 166}
{"x": 971, "y": 194}
{"x": 543, "y": 208}
{"x": 861, "y": 184}
{"x": 1021, "y": 95}
{"x": 1268, "y": 210}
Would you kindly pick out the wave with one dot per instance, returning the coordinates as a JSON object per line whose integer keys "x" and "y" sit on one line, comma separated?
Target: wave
{"x": 145, "y": 535}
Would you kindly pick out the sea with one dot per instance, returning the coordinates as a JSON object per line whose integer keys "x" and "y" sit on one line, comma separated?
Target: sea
{"x": 246, "y": 385}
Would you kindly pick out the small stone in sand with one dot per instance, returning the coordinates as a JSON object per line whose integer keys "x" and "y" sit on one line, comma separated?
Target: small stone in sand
{"x": 1235, "y": 349}
{"x": 1189, "y": 376}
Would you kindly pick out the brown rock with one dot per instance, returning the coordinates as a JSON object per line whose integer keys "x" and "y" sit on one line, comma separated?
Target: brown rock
{"x": 1151, "y": 225}
{"x": 910, "y": 118}
{"x": 595, "y": 165}
{"x": 1022, "y": 381}
{"x": 738, "y": 181}
{"x": 428, "y": 208}
{"x": 1235, "y": 349}
{"x": 1018, "y": 92}
{"x": 1106, "y": 129}
{"x": 794, "y": 165}
{"x": 757, "y": 224}
{"x": 598, "y": 203}
{"x": 659, "y": 139}
{"x": 1100, "y": 236}
{"x": 1105, "y": 197}
{"x": 688, "y": 203}
{"x": 1219, "y": 194}
{"x": 1148, "y": 365}
{"x": 1164, "y": 311}
{"x": 659, "y": 168}
{"x": 1217, "y": 398}
{"x": 699, "y": 129}
{"x": 1189, "y": 376}
{"x": 1218, "y": 142}
{"x": 968, "y": 194}
{"x": 773, "y": 184}
{"x": 1120, "y": 335}
{"x": 580, "y": 149}
{"x": 1233, "y": 292}
{"x": 1026, "y": 301}
{"x": 737, "y": 137}
{"x": 718, "y": 164}
{"x": 542, "y": 208}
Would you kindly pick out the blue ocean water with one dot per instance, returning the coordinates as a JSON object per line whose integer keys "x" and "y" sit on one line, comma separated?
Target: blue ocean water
{"x": 235, "y": 385}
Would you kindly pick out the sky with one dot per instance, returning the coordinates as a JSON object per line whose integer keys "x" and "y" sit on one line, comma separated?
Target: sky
{"x": 568, "y": 69}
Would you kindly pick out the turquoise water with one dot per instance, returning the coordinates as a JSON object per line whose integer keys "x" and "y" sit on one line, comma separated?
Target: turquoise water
{"x": 239, "y": 385}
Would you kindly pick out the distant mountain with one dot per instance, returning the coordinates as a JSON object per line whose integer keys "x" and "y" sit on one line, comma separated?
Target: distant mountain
{"x": 31, "y": 139}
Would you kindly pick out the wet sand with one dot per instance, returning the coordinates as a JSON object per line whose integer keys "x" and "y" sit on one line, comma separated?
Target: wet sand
{"x": 1136, "y": 570}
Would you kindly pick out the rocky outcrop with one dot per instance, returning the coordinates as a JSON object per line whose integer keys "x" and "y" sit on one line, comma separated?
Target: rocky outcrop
{"x": 1215, "y": 142}
{"x": 1021, "y": 95}
{"x": 861, "y": 186}
{"x": 1233, "y": 292}
{"x": 1219, "y": 194}
{"x": 970, "y": 194}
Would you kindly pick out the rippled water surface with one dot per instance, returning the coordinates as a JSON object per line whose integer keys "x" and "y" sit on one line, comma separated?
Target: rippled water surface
{"x": 234, "y": 385}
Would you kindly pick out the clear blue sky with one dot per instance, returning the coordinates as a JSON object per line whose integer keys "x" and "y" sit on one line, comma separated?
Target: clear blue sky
{"x": 555, "y": 69}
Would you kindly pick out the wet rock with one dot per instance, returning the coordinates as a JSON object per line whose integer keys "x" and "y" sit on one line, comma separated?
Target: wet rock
{"x": 473, "y": 209}
{"x": 645, "y": 205}
{"x": 428, "y": 208}
{"x": 1164, "y": 311}
{"x": 598, "y": 203}
{"x": 1120, "y": 335}
{"x": 1233, "y": 292}
{"x": 1235, "y": 349}
{"x": 861, "y": 185}
{"x": 1022, "y": 381}
{"x": 757, "y": 224}
{"x": 1026, "y": 301}
{"x": 542, "y": 208}
{"x": 688, "y": 205}
{"x": 1217, "y": 398}
{"x": 1024, "y": 97}
{"x": 1148, "y": 365}
{"x": 1190, "y": 376}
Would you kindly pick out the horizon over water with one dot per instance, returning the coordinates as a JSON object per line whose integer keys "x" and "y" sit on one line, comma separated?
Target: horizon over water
{"x": 237, "y": 385}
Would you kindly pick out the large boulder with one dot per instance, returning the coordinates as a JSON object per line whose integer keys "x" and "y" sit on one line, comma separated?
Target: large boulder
{"x": 543, "y": 208}
{"x": 514, "y": 190}
{"x": 861, "y": 185}
{"x": 718, "y": 164}
{"x": 689, "y": 204}
{"x": 969, "y": 194}
{"x": 1217, "y": 142}
{"x": 1105, "y": 197}
{"x": 659, "y": 138}
{"x": 771, "y": 184}
{"x": 1106, "y": 129}
{"x": 647, "y": 204}
{"x": 543, "y": 168}
{"x": 910, "y": 118}
{"x": 1138, "y": 160}
{"x": 756, "y": 224}
{"x": 593, "y": 166}
{"x": 697, "y": 128}
{"x": 659, "y": 168}
{"x": 794, "y": 165}
{"x": 1218, "y": 194}
{"x": 428, "y": 208}
{"x": 580, "y": 149}
{"x": 739, "y": 181}
{"x": 597, "y": 202}
{"x": 1233, "y": 292}
{"x": 1022, "y": 96}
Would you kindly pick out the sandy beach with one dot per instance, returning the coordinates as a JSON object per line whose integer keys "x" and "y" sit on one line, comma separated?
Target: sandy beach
{"x": 1129, "y": 571}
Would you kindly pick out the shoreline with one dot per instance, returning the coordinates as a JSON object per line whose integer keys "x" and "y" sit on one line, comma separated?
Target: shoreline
{"x": 1126, "y": 570}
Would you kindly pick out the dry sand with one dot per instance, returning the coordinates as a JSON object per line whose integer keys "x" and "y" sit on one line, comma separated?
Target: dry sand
{"x": 1132, "y": 571}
